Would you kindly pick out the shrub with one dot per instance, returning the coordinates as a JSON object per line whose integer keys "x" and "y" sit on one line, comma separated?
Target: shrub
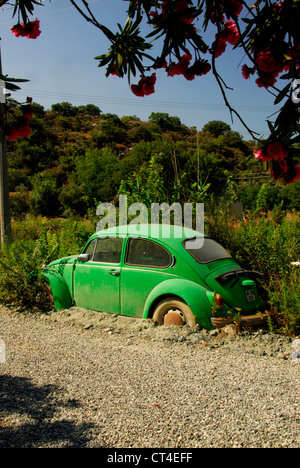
{"x": 267, "y": 245}
{"x": 43, "y": 243}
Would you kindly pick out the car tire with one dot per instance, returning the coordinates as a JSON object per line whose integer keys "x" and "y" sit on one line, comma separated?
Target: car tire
{"x": 179, "y": 313}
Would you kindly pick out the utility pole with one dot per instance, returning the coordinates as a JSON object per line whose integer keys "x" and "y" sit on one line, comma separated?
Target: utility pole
{"x": 5, "y": 221}
{"x": 198, "y": 163}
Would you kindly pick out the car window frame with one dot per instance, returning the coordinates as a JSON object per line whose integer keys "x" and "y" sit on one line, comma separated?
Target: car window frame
{"x": 91, "y": 260}
{"x": 129, "y": 239}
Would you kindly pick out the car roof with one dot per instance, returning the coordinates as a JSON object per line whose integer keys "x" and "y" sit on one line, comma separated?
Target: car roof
{"x": 170, "y": 235}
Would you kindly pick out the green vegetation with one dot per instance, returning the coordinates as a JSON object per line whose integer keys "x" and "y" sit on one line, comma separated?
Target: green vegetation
{"x": 77, "y": 157}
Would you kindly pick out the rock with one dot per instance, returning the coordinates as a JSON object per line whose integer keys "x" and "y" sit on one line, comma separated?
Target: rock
{"x": 296, "y": 356}
{"x": 296, "y": 343}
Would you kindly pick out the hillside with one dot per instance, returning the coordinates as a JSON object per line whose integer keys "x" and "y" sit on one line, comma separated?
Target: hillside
{"x": 77, "y": 157}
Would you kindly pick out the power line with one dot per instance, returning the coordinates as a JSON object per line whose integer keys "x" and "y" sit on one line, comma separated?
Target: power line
{"x": 52, "y": 95}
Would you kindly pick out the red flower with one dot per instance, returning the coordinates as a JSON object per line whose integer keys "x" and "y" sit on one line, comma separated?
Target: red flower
{"x": 247, "y": 71}
{"x": 294, "y": 177}
{"x": 11, "y": 134}
{"x": 18, "y": 30}
{"x": 289, "y": 174}
{"x": 230, "y": 33}
{"x": 275, "y": 151}
{"x": 33, "y": 29}
{"x": 145, "y": 86}
{"x": 200, "y": 67}
{"x": 27, "y": 111}
{"x": 148, "y": 84}
{"x": 235, "y": 7}
{"x": 22, "y": 131}
{"x": 30, "y": 30}
{"x": 181, "y": 67}
{"x": 266, "y": 62}
{"x": 262, "y": 154}
{"x": 182, "y": 5}
{"x": 266, "y": 80}
{"x": 220, "y": 47}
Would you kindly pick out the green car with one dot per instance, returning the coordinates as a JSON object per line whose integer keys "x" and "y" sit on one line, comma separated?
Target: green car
{"x": 170, "y": 274}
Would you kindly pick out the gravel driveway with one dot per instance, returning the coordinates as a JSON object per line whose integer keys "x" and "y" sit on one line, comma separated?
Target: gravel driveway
{"x": 83, "y": 379}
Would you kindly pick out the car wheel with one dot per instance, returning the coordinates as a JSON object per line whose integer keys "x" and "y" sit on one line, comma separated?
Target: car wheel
{"x": 174, "y": 312}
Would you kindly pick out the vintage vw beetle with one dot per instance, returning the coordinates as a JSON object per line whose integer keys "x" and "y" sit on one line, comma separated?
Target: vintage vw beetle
{"x": 170, "y": 274}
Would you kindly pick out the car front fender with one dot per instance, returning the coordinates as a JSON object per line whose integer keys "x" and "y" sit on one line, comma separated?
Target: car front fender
{"x": 61, "y": 294}
{"x": 193, "y": 294}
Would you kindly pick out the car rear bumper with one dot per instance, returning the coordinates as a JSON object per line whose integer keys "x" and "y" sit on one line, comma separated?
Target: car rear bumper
{"x": 244, "y": 320}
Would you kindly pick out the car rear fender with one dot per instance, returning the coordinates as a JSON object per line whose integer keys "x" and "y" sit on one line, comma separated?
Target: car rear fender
{"x": 61, "y": 294}
{"x": 193, "y": 294}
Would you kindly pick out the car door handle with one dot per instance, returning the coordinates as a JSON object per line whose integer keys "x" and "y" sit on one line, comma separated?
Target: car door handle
{"x": 114, "y": 272}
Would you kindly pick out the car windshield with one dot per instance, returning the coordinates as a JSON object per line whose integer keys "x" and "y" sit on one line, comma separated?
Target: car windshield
{"x": 209, "y": 250}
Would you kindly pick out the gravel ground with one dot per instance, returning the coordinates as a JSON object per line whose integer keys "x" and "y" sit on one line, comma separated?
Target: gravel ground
{"x": 83, "y": 379}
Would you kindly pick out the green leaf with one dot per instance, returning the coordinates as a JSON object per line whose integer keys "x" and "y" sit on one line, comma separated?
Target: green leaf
{"x": 282, "y": 94}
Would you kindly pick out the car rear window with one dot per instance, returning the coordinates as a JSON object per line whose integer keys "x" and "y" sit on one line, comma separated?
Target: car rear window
{"x": 209, "y": 252}
{"x": 142, "y": 252}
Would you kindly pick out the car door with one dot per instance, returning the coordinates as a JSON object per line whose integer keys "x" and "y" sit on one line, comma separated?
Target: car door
{"x": 147, "y": 263}
{"x": 97, "y": 281}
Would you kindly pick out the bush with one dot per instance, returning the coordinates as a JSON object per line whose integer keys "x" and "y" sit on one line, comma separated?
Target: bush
{"x": 41, "y": 243}
{"x": 44, "y": 198}
{"x": 267, "y": 245}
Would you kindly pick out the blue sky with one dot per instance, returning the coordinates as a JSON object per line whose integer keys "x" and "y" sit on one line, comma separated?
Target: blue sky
{"x": 61, "y": 67}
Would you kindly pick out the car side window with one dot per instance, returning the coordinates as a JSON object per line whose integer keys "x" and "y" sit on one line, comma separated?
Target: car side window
{"x": 108, "y": 250}
{"x": 143, "y": 252}
{"x": 90, "y": 248}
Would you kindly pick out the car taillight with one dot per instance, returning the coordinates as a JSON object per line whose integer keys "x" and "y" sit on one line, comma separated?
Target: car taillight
{"x": 219, "y": 301}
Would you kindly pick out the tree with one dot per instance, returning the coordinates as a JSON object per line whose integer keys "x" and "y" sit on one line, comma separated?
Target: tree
{"x": 165, "y": 121}
{"x": 66, "y": 109}
{"x": 216, "y": 128}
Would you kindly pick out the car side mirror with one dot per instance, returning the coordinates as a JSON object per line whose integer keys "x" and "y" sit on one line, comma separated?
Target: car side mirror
{"x": 83, "y": 258}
